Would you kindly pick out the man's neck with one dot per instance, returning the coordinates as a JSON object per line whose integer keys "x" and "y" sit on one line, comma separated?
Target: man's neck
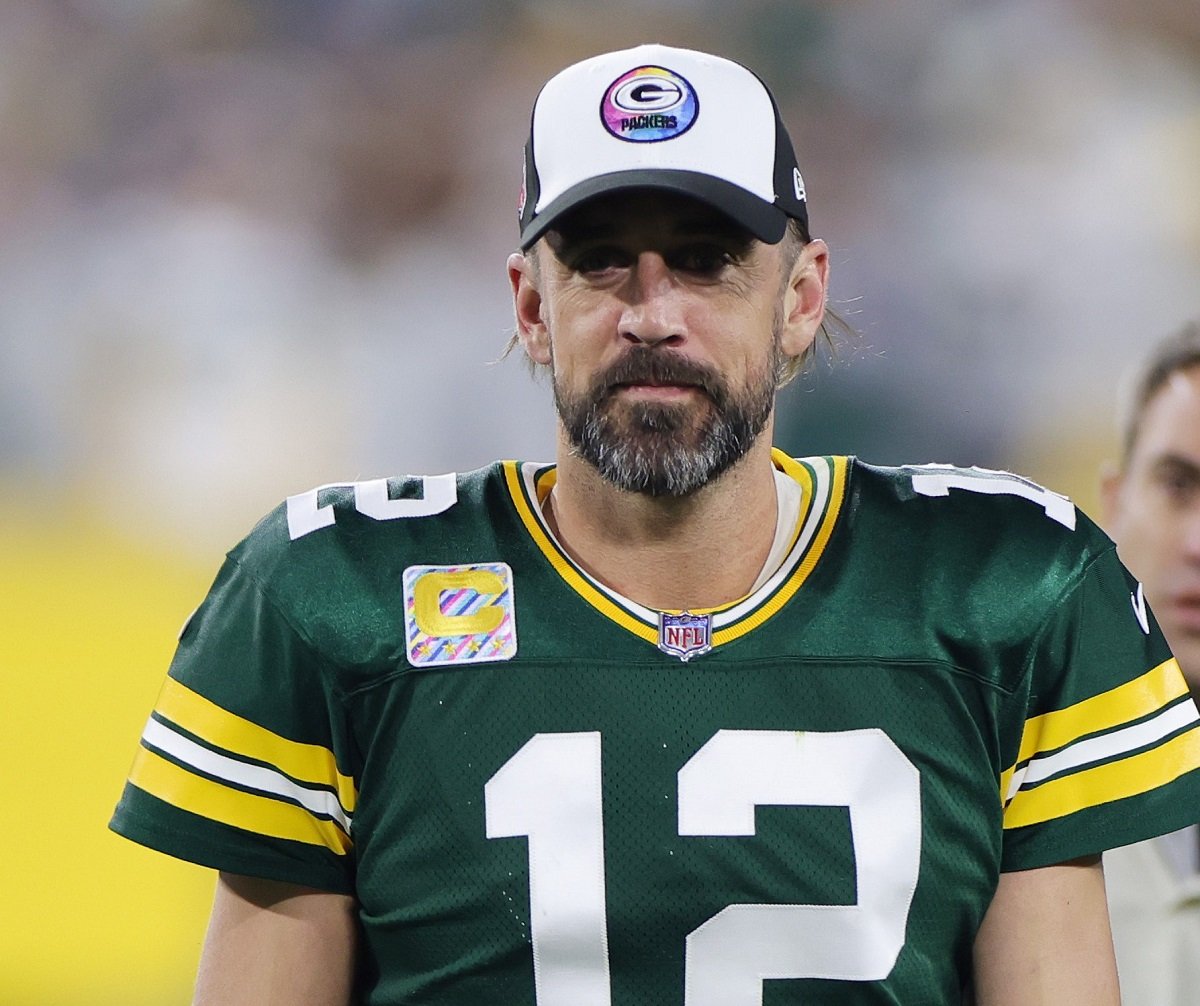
{"x": 700, "y": 551}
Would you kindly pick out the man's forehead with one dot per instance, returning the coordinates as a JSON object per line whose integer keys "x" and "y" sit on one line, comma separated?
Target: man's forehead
{"x": 1184, "y": 385}
{"x": 1177, "y": 400}
{"x": 1171, "y": 418}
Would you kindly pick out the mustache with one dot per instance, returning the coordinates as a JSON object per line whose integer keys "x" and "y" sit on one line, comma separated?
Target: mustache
{"x": 653, "y": 366}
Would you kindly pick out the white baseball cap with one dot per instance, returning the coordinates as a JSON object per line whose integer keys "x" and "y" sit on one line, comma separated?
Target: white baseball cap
{"x": 660, "y": 117}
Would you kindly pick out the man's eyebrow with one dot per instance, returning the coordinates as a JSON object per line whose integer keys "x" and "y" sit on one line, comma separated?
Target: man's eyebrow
{"x": 1176, "y": 464}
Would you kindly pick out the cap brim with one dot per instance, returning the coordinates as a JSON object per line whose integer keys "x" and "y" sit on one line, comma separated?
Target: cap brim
{"x": 764, "y": 220}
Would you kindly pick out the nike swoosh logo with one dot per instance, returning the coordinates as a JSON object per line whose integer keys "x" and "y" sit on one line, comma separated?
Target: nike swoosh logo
{"x": 1139, "y": 609}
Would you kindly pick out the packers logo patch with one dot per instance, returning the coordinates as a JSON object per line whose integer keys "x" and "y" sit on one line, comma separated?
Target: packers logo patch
{"x": 459, "y": 614}
{"x": 649, "y": 104}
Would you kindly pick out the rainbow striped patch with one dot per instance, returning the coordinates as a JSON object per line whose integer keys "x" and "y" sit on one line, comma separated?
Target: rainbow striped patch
{"x": 459, "y": 614}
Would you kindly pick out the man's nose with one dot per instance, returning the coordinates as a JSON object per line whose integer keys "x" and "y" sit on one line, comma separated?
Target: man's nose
{"x": 654, "y": 310}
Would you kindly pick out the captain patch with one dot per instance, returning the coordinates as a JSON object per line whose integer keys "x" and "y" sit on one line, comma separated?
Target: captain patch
{"x": 459, "y": 614}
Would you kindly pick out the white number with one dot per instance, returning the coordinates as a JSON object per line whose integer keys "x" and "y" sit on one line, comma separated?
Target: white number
{"x": 862, "y": 770}
{"x": 550, "y": 792}
{"x": 938, "y": 480}
{"x": 305, "y": 514}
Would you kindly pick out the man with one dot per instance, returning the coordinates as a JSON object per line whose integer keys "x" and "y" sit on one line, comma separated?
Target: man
{"x": 677, "y": 719}
{"x": 1152, "y": 503}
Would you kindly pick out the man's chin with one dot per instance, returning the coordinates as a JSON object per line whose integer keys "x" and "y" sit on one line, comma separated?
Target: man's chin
{"x": 655, "y": 444}
{"x": 639, "y": 418}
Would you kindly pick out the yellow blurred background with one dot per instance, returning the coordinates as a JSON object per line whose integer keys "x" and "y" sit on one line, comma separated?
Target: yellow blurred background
{"x": 88, "y": 619}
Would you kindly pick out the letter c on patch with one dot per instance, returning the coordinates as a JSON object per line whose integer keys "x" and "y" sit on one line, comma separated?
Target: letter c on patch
{"x": 427, "y": 603}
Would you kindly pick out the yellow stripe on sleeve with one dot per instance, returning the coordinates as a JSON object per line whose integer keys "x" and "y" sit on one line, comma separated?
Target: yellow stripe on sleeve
{"x": 248, "y": 811}
{"x": 1112, "y": 781}
{"x": 1118, "y": 706}
{"x": 310, "y": 763}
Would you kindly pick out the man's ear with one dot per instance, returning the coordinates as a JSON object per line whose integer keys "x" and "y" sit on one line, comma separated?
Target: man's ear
{"x": 527, "y": 307}
{"x": 804, "y": 298}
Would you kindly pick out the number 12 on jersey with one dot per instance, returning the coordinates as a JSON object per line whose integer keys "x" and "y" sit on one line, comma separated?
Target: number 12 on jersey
{"x": 550, "y": 792}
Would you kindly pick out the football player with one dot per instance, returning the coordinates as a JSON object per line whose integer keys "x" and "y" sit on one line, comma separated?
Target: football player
{"x": 676, "y": 718}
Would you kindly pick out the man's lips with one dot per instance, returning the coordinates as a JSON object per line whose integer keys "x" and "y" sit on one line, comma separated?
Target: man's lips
{"x": 642, "y": 376}
{"x": 656, "y": 386}
{"x": 656, "y": 390}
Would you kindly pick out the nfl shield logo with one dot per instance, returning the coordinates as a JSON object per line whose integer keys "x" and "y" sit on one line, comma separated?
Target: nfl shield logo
{"x": 684, "y": 635}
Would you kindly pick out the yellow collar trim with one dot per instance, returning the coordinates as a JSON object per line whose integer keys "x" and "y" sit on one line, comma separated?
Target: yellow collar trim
{"x": 822, "y": 481}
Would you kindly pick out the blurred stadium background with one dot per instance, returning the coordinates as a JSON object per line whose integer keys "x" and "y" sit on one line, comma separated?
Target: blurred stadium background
{"x": 249, "y": 247}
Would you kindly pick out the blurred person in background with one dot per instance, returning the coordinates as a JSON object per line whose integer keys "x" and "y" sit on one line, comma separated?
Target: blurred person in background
{"x": 1152, "y": 509}
{"x": 679, "y": 715}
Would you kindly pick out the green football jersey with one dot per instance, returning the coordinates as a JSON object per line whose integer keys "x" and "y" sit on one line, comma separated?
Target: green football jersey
{"x": 542, "y": 793}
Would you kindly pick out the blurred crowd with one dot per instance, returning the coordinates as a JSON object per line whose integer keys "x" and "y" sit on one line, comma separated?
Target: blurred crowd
{"x": 250, "y": 247}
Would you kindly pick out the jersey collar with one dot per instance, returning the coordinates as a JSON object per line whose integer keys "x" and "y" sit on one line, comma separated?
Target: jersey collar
{"x": 822, "y": 482}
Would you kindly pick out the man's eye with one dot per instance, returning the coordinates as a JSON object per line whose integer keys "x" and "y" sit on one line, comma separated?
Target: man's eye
{"x": 703, "y": 259}
{"x": 598, "y": 260}
{"x": 1181, "y": 487}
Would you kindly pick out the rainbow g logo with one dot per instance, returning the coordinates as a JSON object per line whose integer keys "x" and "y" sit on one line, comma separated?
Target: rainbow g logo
{"x": 649, "y": 104}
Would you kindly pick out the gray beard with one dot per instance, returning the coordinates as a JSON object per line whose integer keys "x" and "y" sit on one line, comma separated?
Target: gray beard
{"x": 657, "y": 449}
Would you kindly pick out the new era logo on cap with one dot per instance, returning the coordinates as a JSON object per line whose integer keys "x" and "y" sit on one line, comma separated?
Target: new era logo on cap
{"x": 661, "y": 117}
